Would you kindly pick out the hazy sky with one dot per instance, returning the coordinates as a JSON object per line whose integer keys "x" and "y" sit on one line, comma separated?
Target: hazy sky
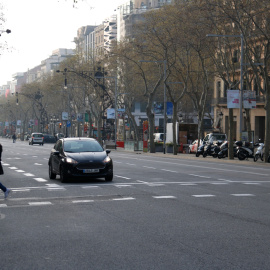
{"x": 40, "y": 26}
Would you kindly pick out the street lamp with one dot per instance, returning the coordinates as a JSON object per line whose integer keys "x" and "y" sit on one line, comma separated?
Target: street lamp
{"x": 115, "y": 103}
{"x": 165, "y": 101}
{"x": 241, "y": 78}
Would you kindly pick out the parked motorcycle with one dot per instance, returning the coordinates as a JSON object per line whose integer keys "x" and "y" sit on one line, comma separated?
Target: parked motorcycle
{"x": 200, "y": 149}
{"x": 259, "y": 152}
{"x": 212, "y": 149}
{"x": 224, "y": 148}
{"x": 243, "y": 151}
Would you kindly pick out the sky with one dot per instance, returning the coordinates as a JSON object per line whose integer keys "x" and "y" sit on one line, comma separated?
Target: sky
{"x": 40, "y": 26}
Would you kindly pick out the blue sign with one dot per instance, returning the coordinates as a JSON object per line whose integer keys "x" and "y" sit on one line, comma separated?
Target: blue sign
{"x": 169, "y": 108}
{"x": 68, "y": 123}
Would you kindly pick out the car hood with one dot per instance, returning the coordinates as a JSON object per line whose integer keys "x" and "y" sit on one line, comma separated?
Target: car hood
{"x": 87, "y": 156}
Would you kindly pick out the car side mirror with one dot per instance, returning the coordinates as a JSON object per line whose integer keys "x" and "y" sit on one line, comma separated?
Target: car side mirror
{"x": 108, "y": 151}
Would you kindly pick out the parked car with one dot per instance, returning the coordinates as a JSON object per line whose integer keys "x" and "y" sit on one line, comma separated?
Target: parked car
{"x": 194, "y": 146}
{"x": 80, "y": 157}
{"x": 49, "y": 138}
{"x": 36, "y": 138}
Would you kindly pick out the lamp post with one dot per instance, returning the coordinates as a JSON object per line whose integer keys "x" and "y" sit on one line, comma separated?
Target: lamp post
{"x": 241, "y": 78}
{"x": 115, "y": 102}
{"x": 165, "y": 100}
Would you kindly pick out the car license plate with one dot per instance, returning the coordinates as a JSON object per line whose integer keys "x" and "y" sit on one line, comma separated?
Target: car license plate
{"x": 90, "y": 170}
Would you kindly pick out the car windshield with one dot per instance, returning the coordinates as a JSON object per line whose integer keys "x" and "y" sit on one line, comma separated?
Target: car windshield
{"x": 37, "y": 135}
{"x": 220, "y": 137}
{"x": 82, "y": 146}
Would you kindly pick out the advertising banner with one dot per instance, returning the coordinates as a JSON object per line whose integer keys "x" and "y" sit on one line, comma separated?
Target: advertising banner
{"x": 169, "y": 108}
{"x": 145, "y": 136}
{"x": 110, "y": 114}
{"x": 64, "y": 116}
{"x": 79, "y": 117}
{"x": 249, "y": 99}
{"x": 233, "y": 98}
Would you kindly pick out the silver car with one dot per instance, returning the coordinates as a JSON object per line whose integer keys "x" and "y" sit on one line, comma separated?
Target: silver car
{"x": 36, "y": 138}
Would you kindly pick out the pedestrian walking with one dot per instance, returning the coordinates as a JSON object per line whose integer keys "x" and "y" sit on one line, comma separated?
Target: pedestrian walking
{"x": 14, "y": 138}
{"x": 2, "y": 187}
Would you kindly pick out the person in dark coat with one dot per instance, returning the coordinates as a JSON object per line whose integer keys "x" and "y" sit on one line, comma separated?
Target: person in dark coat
{"x": 2, "y": 187}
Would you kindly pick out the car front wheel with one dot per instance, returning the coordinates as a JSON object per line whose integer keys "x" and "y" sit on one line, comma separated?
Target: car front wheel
{"x": 109, "y": 178}
{"x": 52, "y": 175}
{"x": 63, "y": 176}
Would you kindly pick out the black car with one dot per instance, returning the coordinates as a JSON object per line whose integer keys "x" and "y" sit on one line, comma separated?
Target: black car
{"x": 80, "y": 157}
{"x": 49, "y": 138}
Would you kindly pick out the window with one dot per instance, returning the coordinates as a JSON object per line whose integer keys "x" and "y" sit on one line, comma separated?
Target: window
{"x": 143, "y": 106}
{"x": 218, "y": 89}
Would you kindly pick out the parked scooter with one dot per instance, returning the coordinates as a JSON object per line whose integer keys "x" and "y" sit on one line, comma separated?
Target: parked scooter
{"x": 212, "y": 149}
{"x": 224, "y": 148}
{"x": 259, "y": 152}
{"x": 243, "y": 151}
{"x": 200, "y": 149}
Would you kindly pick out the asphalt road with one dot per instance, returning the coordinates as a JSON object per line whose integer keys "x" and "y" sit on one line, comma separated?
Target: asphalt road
{"x": 160, "y": 212}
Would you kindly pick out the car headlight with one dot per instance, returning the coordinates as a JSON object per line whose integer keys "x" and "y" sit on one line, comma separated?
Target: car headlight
{"x": 107, "y": 159}
{"x": 70, "y": 160}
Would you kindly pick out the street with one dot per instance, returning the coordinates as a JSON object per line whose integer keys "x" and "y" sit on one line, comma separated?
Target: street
{"x": 160, "y": 212}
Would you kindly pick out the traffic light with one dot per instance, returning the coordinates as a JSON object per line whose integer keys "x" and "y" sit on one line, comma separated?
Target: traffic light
{"x": 60, "y": 125}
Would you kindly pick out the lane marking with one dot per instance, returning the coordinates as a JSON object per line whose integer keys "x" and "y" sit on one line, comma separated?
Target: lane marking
{"x": 91, "y": 187}
{"x": 39, "y": 203}
{"x": 164, "y": 197}
{"x": 40, "y": 180}
{"x": 188, "y": 184}
{"x": 169, "y": 171}
{"x": 38, "y": 164}
{"x": 20, "y": 189}
{"x": 13, "y": 168}
{"x": 251, "y": 183}
{"x": 201, "y": 176}
{"x": 204, "y": 196}
{"x": 53, "y": 185}
{"x": 82, "y": 201}
{"x": 55, "y": 188}
{"x": 124, "y": 199}
{"x": 123, "y": 177}
{"x": 3, "y": 205}
{"x": 219, "y": 183}
{"x": 243, "y": 195}
{"x": 131, "y": 164}
{"x": 29, "y": 174}
{"x": 20, "y": 171}
{"x": 149, "y": 167}
{"x": 120, "y": 186}
{"x": 155, "y": 185}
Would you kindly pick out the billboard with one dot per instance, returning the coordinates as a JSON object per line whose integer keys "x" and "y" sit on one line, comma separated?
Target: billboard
{"x": 233, "y": 99}
{"x": 249, "y": 99}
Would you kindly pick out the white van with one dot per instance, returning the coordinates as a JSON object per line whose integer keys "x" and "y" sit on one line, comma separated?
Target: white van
{"x": 213, "y": 137}
{"x": 158, "y": 137}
